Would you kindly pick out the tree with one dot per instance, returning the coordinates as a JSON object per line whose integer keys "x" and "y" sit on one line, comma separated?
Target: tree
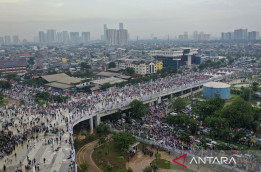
{"x": 84, "y": 65}
{"x": 180, "y": 119}
{"x": 102, "y": 140}
{"x": 255, "y": 86}
{"x": 123, "y": 140}
{"x": 129, "y": 71}
{"x": 129, "y": 170}
{"x": 84, "y": 166}
{"x": 102, "y": 128}
{"x": 11, "y": 76}
{"x": 3, "y": 101}
{"x": 216, "y": 122}
{"x": 109, "y": 167}
{"x": 239, "y": 114}
{"x": 5, "y": 85}
{"x": 245, "y": 94}
{"x": 179, "y": 104}
{"x": 209, "y": 107}
{"x": 105, "y": 86}
{"x": 138, "y": 108}
{"x": 112, "y": 65}
{"x": 31, "y": 61}
{"x": 147, "y": 169}
{"x": 158, "y": 155}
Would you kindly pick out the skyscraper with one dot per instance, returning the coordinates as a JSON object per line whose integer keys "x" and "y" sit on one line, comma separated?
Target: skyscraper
{"x": 86, "y": 37}
{"x": 254, "y": 35}
{"x": 59, "y": 37}
{"x": 105, "y": 32}
{"x": 75, "y": 37}
{"x": 2, "y": 41}
{"x": 16, "y": 39}
{"x": 112, "y": 36}
{"x": 117, "y": 37}
{"x": 120, "y": 26}
{"x": 66, "y": 37}
{"x": 195, "y": 36}
{"x": 51, "y": 36}
{"x": 185, "y": 36}
{"x": 7, "y": 40}
{"x": 240, "y": 34}
{"x": 122, "y": 36}
{"x": 42, "y": 37}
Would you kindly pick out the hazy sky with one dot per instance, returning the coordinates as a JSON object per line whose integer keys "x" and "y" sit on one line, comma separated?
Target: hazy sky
{"x": 141, "y": 17}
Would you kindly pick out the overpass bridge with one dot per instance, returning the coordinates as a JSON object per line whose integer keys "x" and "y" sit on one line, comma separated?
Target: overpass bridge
{"x": 183, "y": 91}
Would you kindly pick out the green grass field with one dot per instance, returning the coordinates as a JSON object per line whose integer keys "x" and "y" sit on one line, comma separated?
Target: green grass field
{"x": 109, "y": 153}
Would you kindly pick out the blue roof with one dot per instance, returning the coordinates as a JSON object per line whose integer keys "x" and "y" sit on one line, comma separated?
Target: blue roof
{"x": 10, "y": 63}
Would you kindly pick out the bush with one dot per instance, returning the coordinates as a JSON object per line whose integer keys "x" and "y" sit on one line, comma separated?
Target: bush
{"x": 110, "y": 167}
{"x": 84, "y": 166}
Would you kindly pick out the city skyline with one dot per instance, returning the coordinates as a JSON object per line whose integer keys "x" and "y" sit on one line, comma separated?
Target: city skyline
{"x": 25, "y": 18}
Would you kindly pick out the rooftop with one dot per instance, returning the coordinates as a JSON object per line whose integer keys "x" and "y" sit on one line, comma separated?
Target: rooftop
{"x": 216, "y": 85}
{"x": 62, "y": 78}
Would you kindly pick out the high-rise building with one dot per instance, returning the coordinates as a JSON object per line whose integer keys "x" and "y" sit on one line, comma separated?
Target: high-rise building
{"x": 227, "y": 36}
{"x": 42, "y": 38}
{"x": 105, "y": 32}
{"x": 240, "y": 34}
{"x": 117, "y": 37}
{"x": 254, "y": 35}
{"x": 186, "y": 36}
{"x": 112, "y": 37}
{"x": 66, "y": 37}
{"x": 75, "y": 37}
{"x": 123, "y": 36}
{"x": 7, "y": 40}
{"x": 2, "y": 41}
{"x": 16, "y": 39}
{"x": 59, "y": 37}
{"x": 195, "y": 36}
{"x": 51, "y": 36}
{"x": 120, "y": 26}
{"x": 86, "y": 36}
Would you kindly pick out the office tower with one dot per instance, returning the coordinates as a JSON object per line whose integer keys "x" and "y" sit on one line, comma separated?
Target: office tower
{"x": 16, "y": 39}
{"x": 59, "y": 37}
{"x": 75, "y": 37}
{"x": 227, "y": 36}
{"x": 112, "y": 36}
{"x": 185, "y": 36}
{"x": 66, "y": 37}
{"x": 120, "y": 26}
{"x": 7, "y": 40}
{"x": 195, "y": 35}
{"x": 122, "y": 36}
{"x": 2, "y": 41}
{"x": 86, "y": 36}
{"x": 105, "y": 32}
{"x": 254, "y": 35}
{"x": 42, "y": 38}
{"x": 240, "y": 34}
{"x": 51, "y": 36}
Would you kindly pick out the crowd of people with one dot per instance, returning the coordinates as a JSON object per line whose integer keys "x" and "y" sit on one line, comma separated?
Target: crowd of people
{"x": 24, "y": 123}
{"x": 22, "y": 126}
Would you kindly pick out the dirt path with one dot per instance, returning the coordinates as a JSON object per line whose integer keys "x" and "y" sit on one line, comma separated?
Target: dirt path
{"x": 85, "y": 155}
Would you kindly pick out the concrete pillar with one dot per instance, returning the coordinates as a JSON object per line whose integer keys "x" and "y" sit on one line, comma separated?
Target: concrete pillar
{"x": 159, "y": 100}
{"x": 98, "y": 120}
{"x": 91, "y": 124}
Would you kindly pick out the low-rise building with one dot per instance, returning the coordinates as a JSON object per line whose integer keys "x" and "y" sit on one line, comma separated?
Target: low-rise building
{"x": 13, "y": 66}
{"x": 140, "y": 67}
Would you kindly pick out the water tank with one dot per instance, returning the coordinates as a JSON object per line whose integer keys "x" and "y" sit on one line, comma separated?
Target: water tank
{"x": 211, "y": 89}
